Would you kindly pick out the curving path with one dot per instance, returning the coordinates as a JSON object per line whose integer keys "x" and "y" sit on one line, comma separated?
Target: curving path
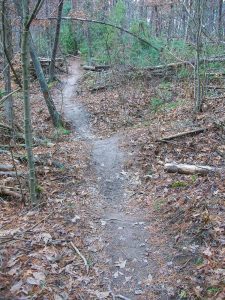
{"x": 124, "y": 264}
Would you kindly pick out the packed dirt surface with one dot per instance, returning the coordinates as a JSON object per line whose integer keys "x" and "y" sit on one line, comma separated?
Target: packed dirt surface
{"x": 131, "y": 262}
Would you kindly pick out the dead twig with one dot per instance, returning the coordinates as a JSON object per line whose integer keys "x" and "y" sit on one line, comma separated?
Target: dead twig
{"x": 81, "y": 255}
{"x": 45, "y": 218}
{"x": 185, "y": 264}
{"x": 8, "y": 95}
{"x": 195, "y": 131}
{"x": 122, "y": 297}
{"x": 17, "y": 176}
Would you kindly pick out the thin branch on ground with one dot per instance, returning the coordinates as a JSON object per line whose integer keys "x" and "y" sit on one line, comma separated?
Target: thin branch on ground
{"x": 81, "y": 255}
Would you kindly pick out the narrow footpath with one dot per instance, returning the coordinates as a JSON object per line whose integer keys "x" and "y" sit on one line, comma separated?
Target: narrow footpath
{"x": 127, "y": 264}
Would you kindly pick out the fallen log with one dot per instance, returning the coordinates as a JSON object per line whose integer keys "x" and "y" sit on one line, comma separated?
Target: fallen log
{"x": 194, "y": 131}
{"x": 6, "y": 167}
{"x": 45, "y": 61}
{"x": 11, "y": 173}
{"x": 89, "y": 68}
{"x": 190, "y": 169}
{"x": 177, "y": 65}
{"x": 97, "y": 68}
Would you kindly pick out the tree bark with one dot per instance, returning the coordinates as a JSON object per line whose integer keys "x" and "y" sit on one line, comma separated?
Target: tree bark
{"x": 198, "y": 84}
{"x": 56, "y": 42}
{"x": 27, "y": 109}
{"x": 220, "y": 27}
{"x": 55, "y": 116}
{"x": 26, "y": 95}
{"x": 7, "y": 42}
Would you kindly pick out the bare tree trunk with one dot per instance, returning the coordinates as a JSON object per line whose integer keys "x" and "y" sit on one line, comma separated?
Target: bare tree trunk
{"x": 171, "y": 22}
{"x": 26, "y": 98}
{"x": 56, "y": 42}
{"x": 7, "y": 42}
{"x": 220, "y": 27}
{"x": 157, "y": 21}
{"x": 188, "y": 8}
{"x": 55, "y": 116}
{"x": 198, "y": 83}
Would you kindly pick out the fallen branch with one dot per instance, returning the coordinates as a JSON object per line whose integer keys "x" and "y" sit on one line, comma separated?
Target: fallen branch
{"x": 174, "y": 66}
{"x": 122, "y": 297}
{"x": 7, "y": 192}
{"x": 8, "y": 95}
{"x": 195, "y": 131}
{"x": 110, "y": 25}
{"x": 81, "y": 255}
{"x": 190, "y": 169}
{"x": 41, "y": 221}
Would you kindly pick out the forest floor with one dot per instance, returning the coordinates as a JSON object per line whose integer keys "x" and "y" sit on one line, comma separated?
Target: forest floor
{"x": 113, "y": 224}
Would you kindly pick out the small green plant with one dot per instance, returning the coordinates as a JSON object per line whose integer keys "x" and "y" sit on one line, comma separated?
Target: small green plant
{"x": 199, "y": 261}
{"x": 1, "y": 93}
{"x": 52, "y": 84}
{"x": 172, "y": 105}
{"x": 64, "y": 131}
{"x": 183, "y": 294}
{"x": 183, "y": 73}
{"x": 156, "y": 103}
{"x": 60, "y": 131}
{"x": 39, "y": 189}
{"x": 194, "y": 178}
{"x": 90, "y": 262}
{"x": 179, "y": 184}
{"x": 165, "y": 85}
{"x": 213, "y": 290}
{"x": 67, "y": 7}
{"x": 158, "y": 204}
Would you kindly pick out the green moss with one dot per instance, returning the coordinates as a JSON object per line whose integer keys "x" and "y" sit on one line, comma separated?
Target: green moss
{"x": 179, "y": 184}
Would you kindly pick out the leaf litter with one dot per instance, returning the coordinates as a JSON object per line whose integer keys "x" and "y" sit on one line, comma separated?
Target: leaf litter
{"x": 40, "y": 262}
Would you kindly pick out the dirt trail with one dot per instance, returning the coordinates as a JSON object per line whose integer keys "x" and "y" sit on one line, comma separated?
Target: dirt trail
{"x": 124, "y": 231}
